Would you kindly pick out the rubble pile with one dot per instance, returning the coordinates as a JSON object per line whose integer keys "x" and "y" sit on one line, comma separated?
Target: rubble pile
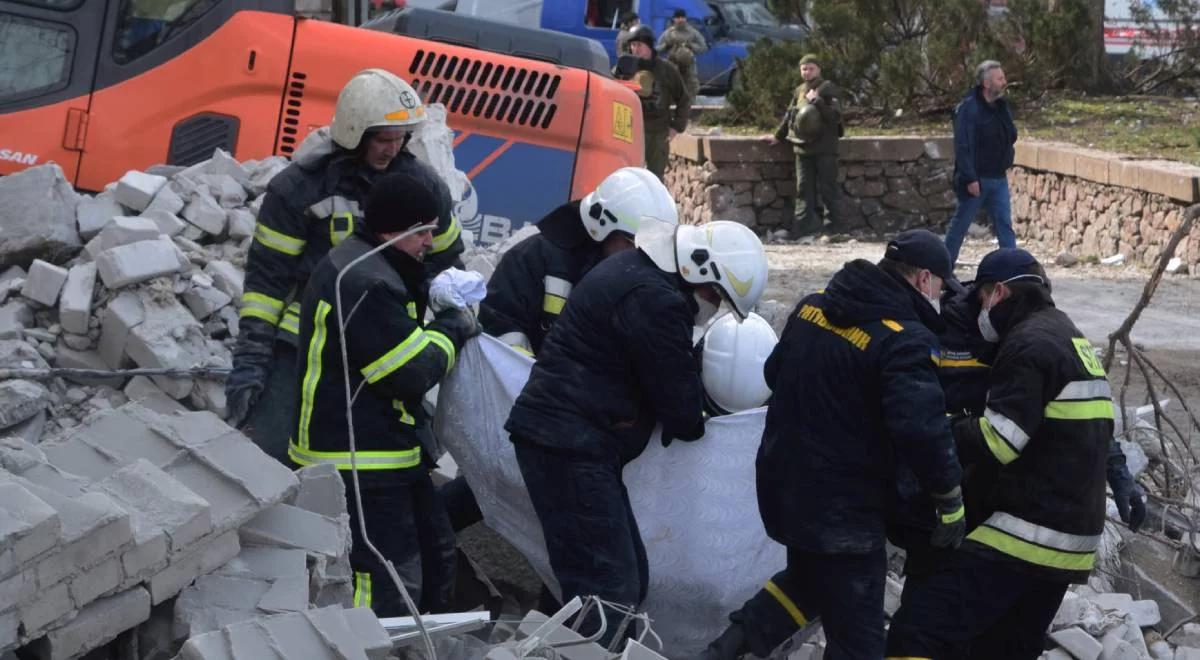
{"x": 1116, "y": 626}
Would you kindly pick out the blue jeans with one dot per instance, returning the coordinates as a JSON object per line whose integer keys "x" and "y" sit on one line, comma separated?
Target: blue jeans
{"x": 993, "y": 196}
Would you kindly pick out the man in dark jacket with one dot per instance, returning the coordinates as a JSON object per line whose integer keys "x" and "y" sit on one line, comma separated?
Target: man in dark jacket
{"x": 666, "y": 103}
{"x": 681, "y": 44}
{"x": 396, "y": 359}
{"x": 813, "y": 124}
{"x": 1046, "y": 428}
{"x": 618, "y": 361}
{"x": 855, "y": 391}
{"x": 311, "y": 206}
{"x": 984, "y": 135}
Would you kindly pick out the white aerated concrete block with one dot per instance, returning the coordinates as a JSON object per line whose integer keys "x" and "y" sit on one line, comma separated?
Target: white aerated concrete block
{"x": 96, "y": 581}
{"x": 20, "y": 400}
{"x": 137, "y": 262}
{"x": 44, "y": 282}
{"x": 227, "y": 277}
{"x": 206, "y": 214}
{"x": 1081, "y": 645}
{"x": 123, "y": 314}
{"x": 143, "y": 390}
{"x": 204, "y": 301}
{"x": 168, "y": 223}
{"x": 137, "y": 189}
{"x": 167, "y": 200}
{"x": 322, "y": 490}
{"x": 156, "y": 499}
{"x": 287, "y": 526}
{"x": 125, "y": 230}
{"x": 369, "y": 632}
{"x": 96, "y": 625}
{"x": 1187, "y": 653}
{"x": 75, "y": 305}
{"x": 95, "y": 213}
{"x": 28, "y": 525}
{"x": 200, "y": 559}
{"x": 14, "y": 318}
{"x": 51, "y": 605}
{"x": 93, "y": 528}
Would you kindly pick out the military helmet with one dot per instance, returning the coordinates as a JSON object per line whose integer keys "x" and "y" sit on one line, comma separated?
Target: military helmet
{"x": 808, "y": 122}
{"x": 644, "y": 34}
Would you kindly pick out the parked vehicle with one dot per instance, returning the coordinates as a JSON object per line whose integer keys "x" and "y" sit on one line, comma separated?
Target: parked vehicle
{"x": 750, "y": 20}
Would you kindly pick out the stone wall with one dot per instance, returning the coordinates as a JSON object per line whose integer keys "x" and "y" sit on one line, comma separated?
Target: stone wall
{"x": 1089, "y": 203}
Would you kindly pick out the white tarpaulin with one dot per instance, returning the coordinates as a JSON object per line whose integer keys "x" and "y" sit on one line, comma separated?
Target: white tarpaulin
{"x": 695, "y": 502}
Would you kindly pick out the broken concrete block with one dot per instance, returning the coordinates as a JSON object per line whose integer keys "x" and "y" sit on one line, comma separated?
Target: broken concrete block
{"x": 204, "y": 301}
{"x": 169, "y": 337}
{"x": 29, "y": 430}
{"x": 167, "y": 200}
{"x": 322, "y": 490}
{"x": 1081, "y": 645}
{"x": 211, "y": 395}
{"x": 223, "y": 163}
{"x": 10, "y": 628}
{"x": 20, "y": 400}
{"x": 241, "y": 224}
{"x": 69, "y": 358}
{"x": 123, "y": 314}
{"x": 287, "y": 526}
{"x": 143, "y": 390}
{"x": 137, "y": 262}
{"x": 44, "y": 282}
{"x": 234, "y": 475}
{"x": 263, "y": 563}
{"x": 225, "y": 189}
{"x": 1144, "y": 613}
{"x": 93, "y": 214}
{"x": 123, "y": 231}
{"x": 75, "y": 305}
{"x": 200, "y": 559}
{"x": 14, "y": 318}
{"x": 28, "y": 525}
{"x": 287, "y": 594}
{"x": 168, "y": 223}
{"x": 216, "y": 601}
{"x": 1187, "y": 653}
{"x": 205, "y": 214}
{"x": 137, "y": 189}
{"x": 37, "y": 219}
{"x": 96, "y": 625}
{"x": 49, "y": 606}
{"x": 93, "y": 529}
{"x": 370, "y": 633}
{"x": 156, "y": 499}
{"x": 227, "y": 278}
{"x": 1057, "y": 654}
{"x": 96, "y": 581}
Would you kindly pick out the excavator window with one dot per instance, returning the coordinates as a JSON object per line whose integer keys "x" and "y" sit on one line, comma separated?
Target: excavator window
{"x": 604, "y": 13}
{"x": 34, "y": 57}
{"x": 61, "y": 5}
{"x": 143, "y": 25}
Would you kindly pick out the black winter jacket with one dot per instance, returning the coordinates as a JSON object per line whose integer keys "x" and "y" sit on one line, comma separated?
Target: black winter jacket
{"x": 855, "y": 391}
{"x": 531, "y": 284}
{"x": 393, "y": 356}
{"x": 1047, "y": 426}
{"x": 984, "y": 135}
{"x": 618, "y": 359}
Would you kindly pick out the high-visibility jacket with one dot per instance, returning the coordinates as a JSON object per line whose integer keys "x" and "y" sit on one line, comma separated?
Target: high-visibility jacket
{"x": 311, "y": 206}
{"x": 533, "y": 280}
{"x": 393, "y": 359}
{"x": 1047, "y": 424}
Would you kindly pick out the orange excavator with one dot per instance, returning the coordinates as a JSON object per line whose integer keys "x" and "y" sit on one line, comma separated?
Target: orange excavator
{"x": 104, "y": 86}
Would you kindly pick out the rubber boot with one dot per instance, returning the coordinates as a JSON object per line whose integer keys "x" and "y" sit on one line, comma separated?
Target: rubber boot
{"x": 731, "y": 645}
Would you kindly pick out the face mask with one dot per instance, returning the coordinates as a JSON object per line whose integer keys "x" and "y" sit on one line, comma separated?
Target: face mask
{"x": 986, "y": 328}
{"x": 934, "y": 300}
{"x": 707, "y": 309}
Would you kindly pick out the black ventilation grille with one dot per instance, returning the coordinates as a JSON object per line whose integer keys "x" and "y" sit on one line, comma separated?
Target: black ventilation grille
{"x": 289, "y": 131}
{"x": 477, "y": 88}
{"x": 194, "y": 139}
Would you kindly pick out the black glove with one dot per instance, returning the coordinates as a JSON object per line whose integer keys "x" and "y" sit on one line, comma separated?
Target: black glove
{"x": 951, "y": 520}
{"x": 692, "y": 435}
{"x": 252, "y": 360}
{"x": 460, "y": 320}
{"x": 1130, "y": 499}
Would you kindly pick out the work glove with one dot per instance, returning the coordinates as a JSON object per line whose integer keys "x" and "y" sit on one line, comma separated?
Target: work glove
{"x": 1130, "y": 499}
{"x": 695, "y": 433}
{"x": 951, "y": 520}
{"x": 460, "y": 320}
{"x": 252, "y": 360}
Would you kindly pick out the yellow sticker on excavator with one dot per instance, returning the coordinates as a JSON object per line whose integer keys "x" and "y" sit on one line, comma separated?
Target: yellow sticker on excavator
{"x": 622, "y": 122}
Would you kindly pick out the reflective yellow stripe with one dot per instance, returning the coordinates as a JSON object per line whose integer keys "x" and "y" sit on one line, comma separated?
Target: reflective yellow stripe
{"x": 443, "y": 342}
{"x": 443, "y": 241}
{"x": 787, "y": 603}
{"x": 1080, "y": 410}
{"x": 405, "y": 416}
{"x": 362, "y": 589}
{"x": 290, "y": 324}
{"x": 278, "y": 241}
{"x": 336, "y": 234}
{"x": 312, "y": 372}
{"x": 366, "y": 460}
{"x": 956, "y": 364}
{"x": 257, "y": 305}
{"x": 954, "y": 516}
{"x": 397, "y": 357}
{"x": 1000, "y": 448}
{"x": 1034, "y": 554}
{"x": 892, "y": 325}
{"x": 412, "y": 310}
{"x": 552, "y": 304}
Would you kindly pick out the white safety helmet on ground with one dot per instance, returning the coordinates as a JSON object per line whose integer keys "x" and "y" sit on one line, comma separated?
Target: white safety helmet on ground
{"x": 726, "y": 254}
{"x": 374, "y": 98}
{"x": 623, "y": 199}
{"x": 734, "y": 355}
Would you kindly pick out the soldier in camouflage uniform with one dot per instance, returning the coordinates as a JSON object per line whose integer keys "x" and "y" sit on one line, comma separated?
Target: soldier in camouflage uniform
{"x": 813, "y": 124}
{"x": 681, "y": 44}
{"x": 661, "y": 88}
{"x": 629, "y": 21}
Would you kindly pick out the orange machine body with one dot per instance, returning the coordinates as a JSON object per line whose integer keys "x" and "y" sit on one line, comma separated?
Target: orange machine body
{"x": 530, "y": 134}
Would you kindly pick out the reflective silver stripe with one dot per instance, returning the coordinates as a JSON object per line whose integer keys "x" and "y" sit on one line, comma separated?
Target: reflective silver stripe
{"x": 335, "y": 204}
{"x": 1043, "y": 536}
{"x": 1008, "y": 429}
{"x": 557, "y": 286}
{"x": 1085, "y": 389}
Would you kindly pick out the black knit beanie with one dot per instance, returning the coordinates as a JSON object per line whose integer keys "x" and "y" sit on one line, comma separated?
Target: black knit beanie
{"x": 398, "y": 201}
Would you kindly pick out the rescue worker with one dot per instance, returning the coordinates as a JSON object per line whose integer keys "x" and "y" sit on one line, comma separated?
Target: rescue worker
{"x": 666, "y": 103}
{"x": 309, "y": 207}
{"x": 396, "y": 359}
{"x": 629, "y": 20}
{"x": 531, "y": 284}
{"x": 1046, "y": 429}
{"x": 813, "y": 124}
{"x": 681, "y": 44}
{"x": 618, "y": 360}
{"x": 854, "y": 391}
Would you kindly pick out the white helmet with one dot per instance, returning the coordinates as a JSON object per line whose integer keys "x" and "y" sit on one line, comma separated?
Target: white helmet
{"x": 726, "y": 254}
{"x": 372, "y": 98}
{"x": 625, "y": 198}
{"x": 734, "y": 355}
